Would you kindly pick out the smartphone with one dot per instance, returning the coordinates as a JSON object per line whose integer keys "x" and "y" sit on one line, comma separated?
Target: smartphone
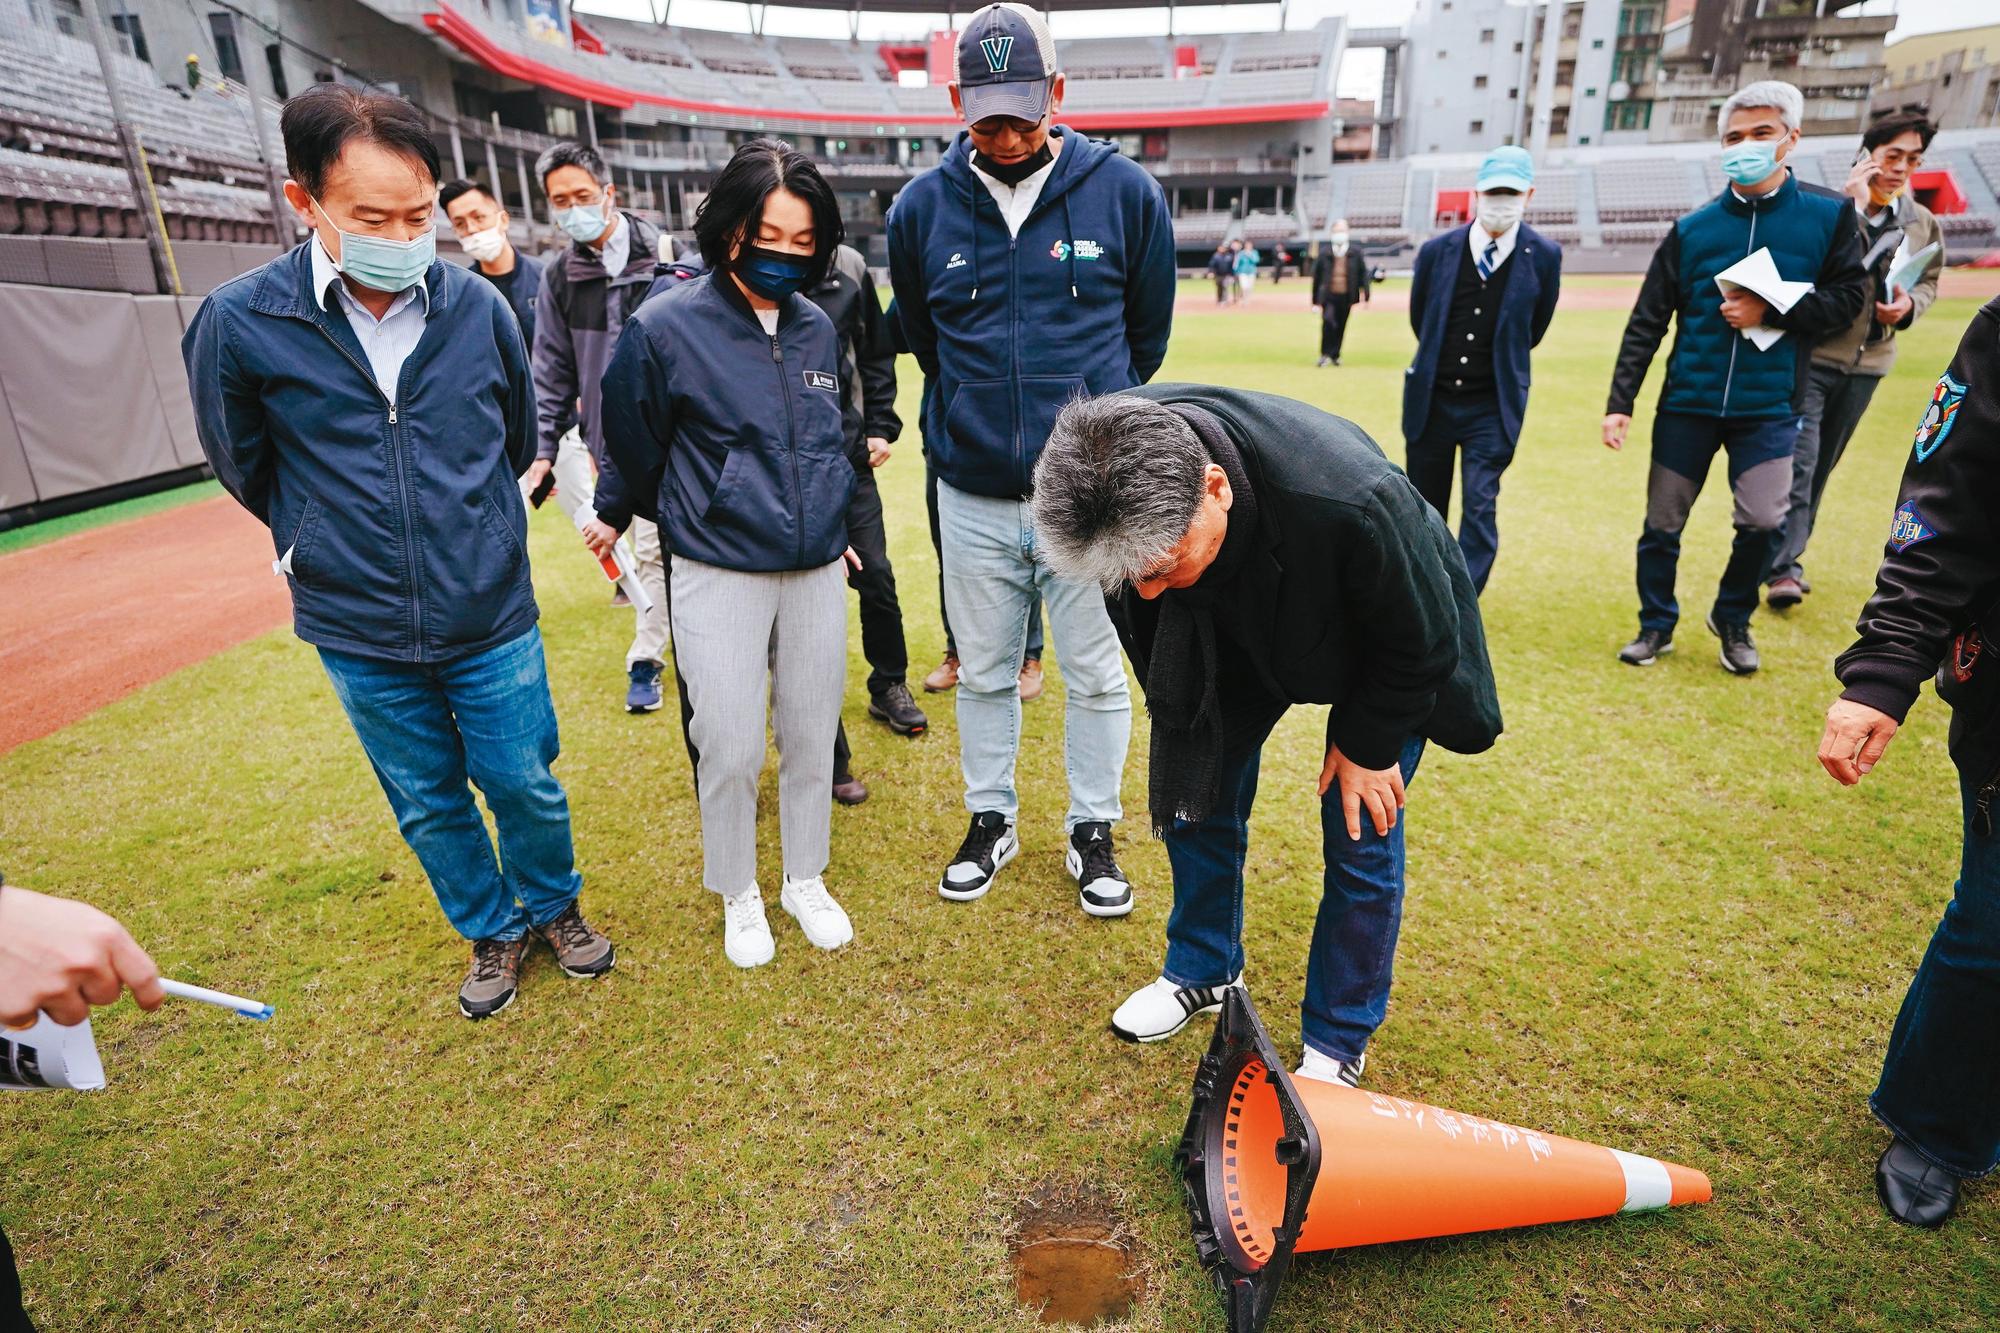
{"x": 542, "y": 489}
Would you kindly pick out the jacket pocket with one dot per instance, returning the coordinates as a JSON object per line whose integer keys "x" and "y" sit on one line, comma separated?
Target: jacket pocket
{"x": 979, "y": 417}
{"x": 727, "y": 482}
{"x": 302, "y": 541}
{"x": 503, "y": 531}
{"x": 1042, "y": 397}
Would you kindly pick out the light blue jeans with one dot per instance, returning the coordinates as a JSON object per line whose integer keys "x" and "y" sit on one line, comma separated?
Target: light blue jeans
{"x": 991, "y": 578}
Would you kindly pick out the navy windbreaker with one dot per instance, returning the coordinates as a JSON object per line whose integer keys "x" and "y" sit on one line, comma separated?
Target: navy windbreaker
{"x": 405, "y": 524}
{"x": 1010, "y": 328}
{"x": 736, "y": 432}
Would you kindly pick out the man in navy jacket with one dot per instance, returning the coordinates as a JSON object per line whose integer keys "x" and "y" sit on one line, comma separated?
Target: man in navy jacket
{"x": 373, "y": 407}
{"x": 1031, "y": 267}
{"x": 1483, "y": 296}
{"x": 1729, "y": 385}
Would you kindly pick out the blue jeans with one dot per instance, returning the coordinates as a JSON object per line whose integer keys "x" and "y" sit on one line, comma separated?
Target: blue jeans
{"x": 1360, "y": 910}
{"x": 1468, "y": 422}
{"x": 488, "y": 719}
{"x": 992, "y": 577}
{"x": 1760, "y": 481}
{"x": 1940, "y": 1086}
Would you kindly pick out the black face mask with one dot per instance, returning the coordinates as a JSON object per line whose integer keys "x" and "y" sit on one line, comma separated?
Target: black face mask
{"x": 1013, "y": 173}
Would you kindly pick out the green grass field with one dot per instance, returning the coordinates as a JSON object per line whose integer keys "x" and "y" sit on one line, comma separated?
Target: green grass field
{"x": 1646, "y": 919}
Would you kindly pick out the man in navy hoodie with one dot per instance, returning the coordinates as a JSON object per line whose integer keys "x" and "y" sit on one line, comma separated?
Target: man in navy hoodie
{"x": 373, "y": 406}
{"x": 1031, "y": 267}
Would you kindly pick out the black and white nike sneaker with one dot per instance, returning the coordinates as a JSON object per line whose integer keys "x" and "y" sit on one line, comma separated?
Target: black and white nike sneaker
{"x": 1101, "y": 887}
{"x": 1159, "y": 1009}
{"x": 989, "y": 844}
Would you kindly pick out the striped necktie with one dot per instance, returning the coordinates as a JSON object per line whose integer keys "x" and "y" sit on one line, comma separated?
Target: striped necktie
{"x": 1486, "y": 264}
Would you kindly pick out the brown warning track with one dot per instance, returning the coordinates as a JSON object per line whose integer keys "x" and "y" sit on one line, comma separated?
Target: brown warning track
{"x": 88, "y": 618}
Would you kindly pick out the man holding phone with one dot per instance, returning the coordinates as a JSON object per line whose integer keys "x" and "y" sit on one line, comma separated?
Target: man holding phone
{"x": 1895, "y": 231}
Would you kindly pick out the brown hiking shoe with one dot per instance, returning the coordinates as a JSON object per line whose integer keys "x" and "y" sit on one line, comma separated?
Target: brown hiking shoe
{"x": 579, "y": 950}
{"x": 495, "y": 976}
{"x": 944, "y": 678}
{"x": 1031, "y": 680}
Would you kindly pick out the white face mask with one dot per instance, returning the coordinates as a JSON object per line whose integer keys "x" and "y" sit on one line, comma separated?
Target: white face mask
{"x": 485, "y": 246}
{"x": 1340, "y": 242}
{"x": 1497, "y": 212}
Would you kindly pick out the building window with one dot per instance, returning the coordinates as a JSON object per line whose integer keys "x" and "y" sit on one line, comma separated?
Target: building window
{"x": 274, "y": 56}
{"x": 1485, "y": 35}
{"x": 129, "y": 28}
{"x": 1517, "y": 48}
{"x": 1513, "y": 94}
{"x": 1479, "y": 81}
{"x": 222, "y": 26}
{"x": 1590, "y": 92}
{"x": 1478, "y": 127}
{"x": 1583, "y": 138}
{"x": 1597, "y": 44}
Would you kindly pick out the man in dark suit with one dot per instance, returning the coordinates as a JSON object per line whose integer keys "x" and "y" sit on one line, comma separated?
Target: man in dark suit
{"x": 1340, "y": 279}
{"x": 1257, "y": 553}
{"x": 1483, "y": 296}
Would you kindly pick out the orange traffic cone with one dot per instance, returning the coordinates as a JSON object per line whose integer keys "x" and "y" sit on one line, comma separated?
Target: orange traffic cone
{"x": 1251, "y": 1154}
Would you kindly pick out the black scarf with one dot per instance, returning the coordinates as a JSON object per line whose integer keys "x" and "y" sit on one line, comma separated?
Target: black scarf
{"x": 1185, "y": 773}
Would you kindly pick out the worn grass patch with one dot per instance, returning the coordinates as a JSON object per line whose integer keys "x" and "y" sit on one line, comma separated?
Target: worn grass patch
{"x": 1644, "y": 919}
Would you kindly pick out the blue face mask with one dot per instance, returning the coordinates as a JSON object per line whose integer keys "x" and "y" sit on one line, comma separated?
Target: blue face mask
{"x": 1751, "y": 161}
{"x": 379, "y": 263}
{"x": 584, "y": 223}
{"x": 772, "y": 274}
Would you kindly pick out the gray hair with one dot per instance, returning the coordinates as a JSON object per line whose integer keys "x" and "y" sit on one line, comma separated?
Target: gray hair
{"x": 572, "y": 155}
{"x": 1116, "y": 489}
{"x": 1775, "y": 94}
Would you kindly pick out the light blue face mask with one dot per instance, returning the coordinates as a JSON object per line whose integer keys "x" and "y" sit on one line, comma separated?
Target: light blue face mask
{"x": 382, "y": 264}
{"x": 583, "y": 223}
{"x": 1751, "y": 161}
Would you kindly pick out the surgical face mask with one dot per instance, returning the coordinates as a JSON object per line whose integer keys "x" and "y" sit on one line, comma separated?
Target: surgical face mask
{"x": 484, "y": 246}
{"x": 1497, "y": 212}
{"x": 772, "y": 274}
{"x": 1751, "y": 161}
{"x": 1340, "y": 242}
{"x": 583, "y": 223}
{"x": 379, "y": 263}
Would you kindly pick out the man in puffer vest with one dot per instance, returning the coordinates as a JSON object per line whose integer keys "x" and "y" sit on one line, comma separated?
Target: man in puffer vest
{"x": 1730, "y": 384}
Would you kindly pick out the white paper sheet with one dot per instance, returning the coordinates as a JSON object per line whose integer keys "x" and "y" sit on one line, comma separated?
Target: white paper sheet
{"x": 1907, "y": 269}
{"x": 1757, "y": 273}
{"x": 49, "y": 1055}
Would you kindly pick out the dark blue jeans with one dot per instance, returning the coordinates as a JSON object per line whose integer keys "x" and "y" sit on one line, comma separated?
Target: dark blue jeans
{"x": 1360, "y": 910}
{"x": 1468, "y": 423}
{"x": 487, "y": 719}
{"x": 1760, "y": 481}
{"x": 1940, "y": 1084}
{"x": 1835, "y": 402}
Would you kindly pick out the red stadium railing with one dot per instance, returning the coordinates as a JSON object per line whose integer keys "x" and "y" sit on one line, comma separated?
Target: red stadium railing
{"x": 483, "y": 50}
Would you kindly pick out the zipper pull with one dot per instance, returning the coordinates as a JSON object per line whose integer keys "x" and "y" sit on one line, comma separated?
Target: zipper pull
{"x": 392, "y": 414}
{"x": 777, "y": 352}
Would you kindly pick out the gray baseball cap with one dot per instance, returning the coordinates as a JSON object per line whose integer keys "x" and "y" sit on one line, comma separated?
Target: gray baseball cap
{"x": 1006, "y": 64}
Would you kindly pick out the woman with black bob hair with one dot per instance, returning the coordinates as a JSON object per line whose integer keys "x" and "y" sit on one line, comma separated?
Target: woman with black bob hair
{"x": 722, "y": 408}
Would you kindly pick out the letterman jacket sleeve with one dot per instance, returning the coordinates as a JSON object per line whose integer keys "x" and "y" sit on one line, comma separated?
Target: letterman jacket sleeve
{"x": 1941, "y": 567}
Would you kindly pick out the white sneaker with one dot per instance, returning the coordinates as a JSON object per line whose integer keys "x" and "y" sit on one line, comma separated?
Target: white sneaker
{"x": 1329, "y": 1070}
{"x": 818, "y": 915}
{"x": 746, "y": 935}
{"x": 1159, "y": 1009}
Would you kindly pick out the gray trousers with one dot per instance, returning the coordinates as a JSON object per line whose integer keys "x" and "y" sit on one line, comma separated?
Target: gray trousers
{"x": 735, "y": 637}
{"x": 1835, "y": 401}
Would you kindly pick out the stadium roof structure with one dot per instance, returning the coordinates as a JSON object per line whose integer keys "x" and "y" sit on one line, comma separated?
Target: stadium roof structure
{"x": 473, "y": 40}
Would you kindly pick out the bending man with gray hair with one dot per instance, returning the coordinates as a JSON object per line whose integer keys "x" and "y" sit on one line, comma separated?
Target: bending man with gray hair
{"x": 1257, "y": 553}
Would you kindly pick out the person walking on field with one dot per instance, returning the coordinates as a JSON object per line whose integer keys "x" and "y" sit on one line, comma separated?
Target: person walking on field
{"x": 372, "y": 406}
{"x": 1730, "y": 385}
{"x": 1032, "y": 266}
{"x": 1222, "y": 268}
{"x": 1246, "y": 264}
{"x": 1848, "y": 364}
{"x": 1482, "y": 298}
{"x": 1339, "y": 281}
{"x": 723, "y": 411}
{"x": 1935, "y": 617}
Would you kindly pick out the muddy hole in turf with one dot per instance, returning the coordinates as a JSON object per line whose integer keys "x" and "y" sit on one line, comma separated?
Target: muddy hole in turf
{"x": 1074, "y": 1260}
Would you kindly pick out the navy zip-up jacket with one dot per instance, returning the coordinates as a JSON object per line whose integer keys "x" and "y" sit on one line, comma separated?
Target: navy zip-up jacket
{"x": 1713, "y": 370}
{"x": 736, "y": 433}
{"x": 406, "y": 528}
{"x": 1012, "y": 328}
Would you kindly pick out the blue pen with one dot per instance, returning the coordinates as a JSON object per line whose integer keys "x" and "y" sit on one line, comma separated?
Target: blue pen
{"x": 220, "y": 999}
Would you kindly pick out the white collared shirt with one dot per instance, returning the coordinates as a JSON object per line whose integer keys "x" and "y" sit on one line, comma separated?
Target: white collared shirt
{"x": 616, "y": 251}
{"x": 387, "y": 341}
{"x": 1476, "y": 238}
{"x": 1017, "y": 201}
